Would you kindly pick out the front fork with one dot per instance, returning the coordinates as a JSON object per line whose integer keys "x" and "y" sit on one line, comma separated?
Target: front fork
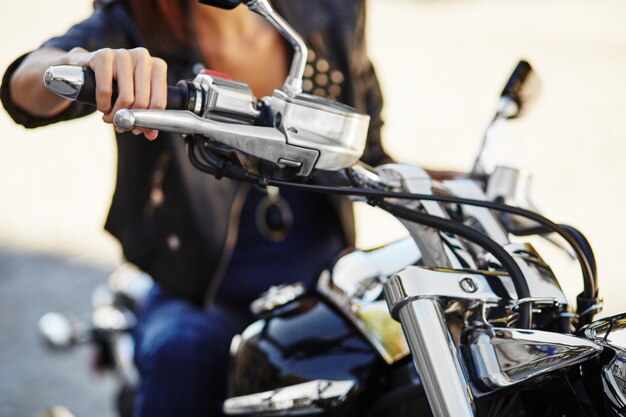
{"x": 436, "y": 358}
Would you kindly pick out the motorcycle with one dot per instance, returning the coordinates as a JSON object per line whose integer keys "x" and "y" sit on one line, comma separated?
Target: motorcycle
{"x": 115, "y": 305}
{"x": 458, "y": 319}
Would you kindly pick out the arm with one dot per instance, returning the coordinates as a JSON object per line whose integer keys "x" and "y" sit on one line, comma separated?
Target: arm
{"x": 141, "y": 78}
{"x": 141, "y": 81}
{"x": 27, "y": 90}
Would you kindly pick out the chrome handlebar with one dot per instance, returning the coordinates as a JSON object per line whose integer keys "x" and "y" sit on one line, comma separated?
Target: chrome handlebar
{"x": 300, "y": 131}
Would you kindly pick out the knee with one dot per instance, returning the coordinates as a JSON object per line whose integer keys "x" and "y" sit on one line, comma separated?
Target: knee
{"x": 179, "y": 376}
{"x": 172, "y": 352}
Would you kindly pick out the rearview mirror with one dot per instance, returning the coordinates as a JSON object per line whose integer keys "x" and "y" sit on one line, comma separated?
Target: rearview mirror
{"x": 222, "y": 4}
{"x": 523, "y": 86}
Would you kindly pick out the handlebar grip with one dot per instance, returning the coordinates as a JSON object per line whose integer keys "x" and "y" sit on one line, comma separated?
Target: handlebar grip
{"x": 513, "y": 87}
{"x": 79, "y": 84}
{"x": 177, "y": 97}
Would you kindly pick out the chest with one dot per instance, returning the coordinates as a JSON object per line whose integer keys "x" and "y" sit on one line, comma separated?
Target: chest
{"x": 261, "y": 61}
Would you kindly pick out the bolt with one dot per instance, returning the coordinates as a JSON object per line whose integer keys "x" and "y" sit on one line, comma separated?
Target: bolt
{"x": 468, "y": 285}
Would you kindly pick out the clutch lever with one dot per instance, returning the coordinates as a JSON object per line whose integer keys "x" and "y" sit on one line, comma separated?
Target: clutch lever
{"x": 266, "y": 143}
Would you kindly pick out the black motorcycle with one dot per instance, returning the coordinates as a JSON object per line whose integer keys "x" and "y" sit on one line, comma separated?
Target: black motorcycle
{"x": 455, "y": 320}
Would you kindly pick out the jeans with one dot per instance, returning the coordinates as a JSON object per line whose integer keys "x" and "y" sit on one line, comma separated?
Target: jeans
{"x": 182, "y": 351}
{"x": 182, "y": 355}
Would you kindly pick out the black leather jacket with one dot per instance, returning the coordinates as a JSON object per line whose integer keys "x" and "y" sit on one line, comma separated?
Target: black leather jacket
{"x": 185, "y": 240}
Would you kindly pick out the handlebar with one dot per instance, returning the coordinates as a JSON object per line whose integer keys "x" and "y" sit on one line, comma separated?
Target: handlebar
{"x": 79, "y": 84}
{"x": 298, "y": 134}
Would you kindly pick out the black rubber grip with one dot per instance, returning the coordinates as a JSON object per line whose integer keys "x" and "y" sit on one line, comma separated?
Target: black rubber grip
{"x": 513, "y": 87}
{"x": 178, "y": 98}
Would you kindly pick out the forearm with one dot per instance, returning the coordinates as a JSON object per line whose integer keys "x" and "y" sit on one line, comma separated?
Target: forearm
{"x": 26, "y": 86}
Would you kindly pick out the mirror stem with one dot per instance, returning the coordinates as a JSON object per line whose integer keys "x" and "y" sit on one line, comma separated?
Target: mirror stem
{"x": 293, "y": 83}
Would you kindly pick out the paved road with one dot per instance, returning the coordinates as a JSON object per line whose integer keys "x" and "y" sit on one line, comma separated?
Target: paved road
{"x": 31, "y": 377}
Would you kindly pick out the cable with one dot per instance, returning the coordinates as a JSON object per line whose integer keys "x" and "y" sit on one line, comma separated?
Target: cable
{"x": 473, "y": 235}
{"x": 589, "y": 276}
{"x": 577, "y": 234}
{"x": 585, "y": 300}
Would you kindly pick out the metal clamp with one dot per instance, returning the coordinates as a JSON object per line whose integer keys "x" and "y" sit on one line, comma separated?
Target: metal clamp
{"x": 309, "y": 397}
{"x": 534, "y": 301}
{"x": 594, "y": 309}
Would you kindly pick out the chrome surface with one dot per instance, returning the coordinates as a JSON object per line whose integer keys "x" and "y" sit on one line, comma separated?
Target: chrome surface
{"x": 338, "y": 132}
{"x": 113, "y": 319}
{"x": 502, "y": 357}
{"x": 277, "y": 296}
{"x": 483, "y": 163}
{"x": 466, "y": 188}
{"x": 293, "y": 83}
{"x": 512, "y": 186}
{"x": 102, "y": 295}
{"x": 610, "y": 333}
{"x": 615, "y": 377}
{"x": 539, "y": 276}
{"x": 64, "y": 80}
{"x": 309, "y": 397}
{"x": 227, "y": 99}
{"x": 61, "y": 331}
{"x": 509, "y": 184}
{"x": 498, "y": 357}
{"x": 251, "y": 331}
{"x": 123, "y": 352}
{"x": 507, "y": 107}
{"x": 436, "y": 358}
{"x": 418, "y": 282}
{"x": 368, "y": 177}
{"x": 437, "y": 249}
{"x": 415, "y": 297}
{"x": 130, "y": 281}
{"x": 468, "y": 285}
{"x": 354, "y": 284}
{"x": 198, "y": 101}
{"x": 263, "y": 142}
{"x": 536, "y": 302}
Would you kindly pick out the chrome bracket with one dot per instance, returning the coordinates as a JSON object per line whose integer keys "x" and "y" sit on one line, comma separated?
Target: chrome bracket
{"x": 309, "y": 397}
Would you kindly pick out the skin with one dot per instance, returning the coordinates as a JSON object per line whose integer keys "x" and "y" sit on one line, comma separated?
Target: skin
{"x": 237, "y": 42}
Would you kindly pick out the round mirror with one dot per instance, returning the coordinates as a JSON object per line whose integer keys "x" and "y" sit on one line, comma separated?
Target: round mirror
{"x": 56, "y": 330}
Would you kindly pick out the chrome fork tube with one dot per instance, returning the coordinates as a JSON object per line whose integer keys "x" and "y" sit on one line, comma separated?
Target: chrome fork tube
{"x": 436, "y": 358}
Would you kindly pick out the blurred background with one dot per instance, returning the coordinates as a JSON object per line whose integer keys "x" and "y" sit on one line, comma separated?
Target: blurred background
{"x": 441, "y": 63}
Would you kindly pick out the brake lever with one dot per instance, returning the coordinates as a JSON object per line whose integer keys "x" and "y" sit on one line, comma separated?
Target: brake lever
{"x": 263, "y": 142}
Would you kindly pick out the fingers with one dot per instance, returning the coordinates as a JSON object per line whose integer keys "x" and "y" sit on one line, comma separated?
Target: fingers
{"x": 123, "y": 73}
{"x": 141, "y": 81}
{"x": 158, "y": 91}
{"x": 158, "y": 84}
{"x": 101, "y": 63}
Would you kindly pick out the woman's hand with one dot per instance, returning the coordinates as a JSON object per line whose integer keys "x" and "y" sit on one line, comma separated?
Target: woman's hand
{"x": 141, "y": 80}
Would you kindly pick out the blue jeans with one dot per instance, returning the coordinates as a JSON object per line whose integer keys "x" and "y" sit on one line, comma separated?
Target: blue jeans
{"x": 182, "y": 355}
{"x": 182, "y": 351}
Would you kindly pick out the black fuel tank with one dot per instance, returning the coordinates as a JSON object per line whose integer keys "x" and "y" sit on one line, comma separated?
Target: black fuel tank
{"x": 308, "y": 340}
{"x": 305, "y": 341}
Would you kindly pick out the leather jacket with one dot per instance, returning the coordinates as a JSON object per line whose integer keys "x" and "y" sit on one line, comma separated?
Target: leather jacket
{"x": 184, "y": 239}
